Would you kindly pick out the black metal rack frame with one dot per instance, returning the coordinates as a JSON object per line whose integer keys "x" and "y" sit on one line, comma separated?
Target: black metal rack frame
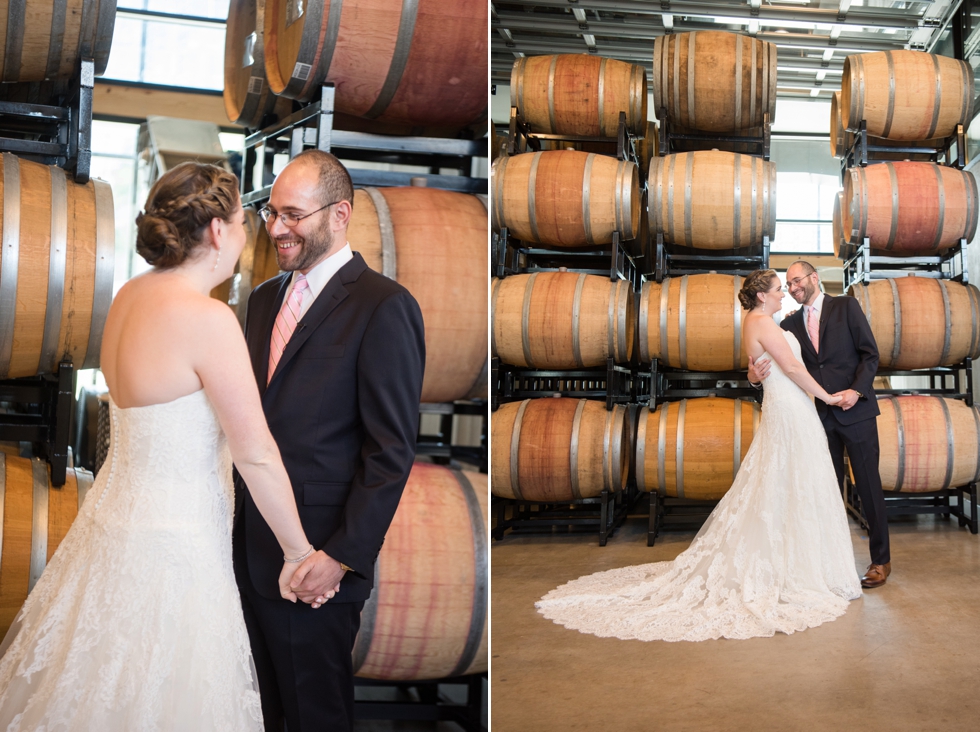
{"x": 606, "y": 512}
{"x": 668, "y": 138}
{"x": 40, "y": 413}
{"x": 670, "y": 385}
{"x": 860, "y": 153}
{"x": 52, "y": 134}
{"x": 521, "y": 139}
{"x": 614, "y": 384}
{"x": 676, "y": 261}
{"x": 681, "y": 513}
{"x": 441, "y": 447}
{"x": 939, "y": 377}
{"x": 432, "y": 706}
{"x": 933, "y": 502}
{"x": 863, "y": 266}
{"x": 312, "y": 127}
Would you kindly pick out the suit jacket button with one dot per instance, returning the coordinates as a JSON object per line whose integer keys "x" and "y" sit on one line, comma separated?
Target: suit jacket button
{"x": 821, "y": 365}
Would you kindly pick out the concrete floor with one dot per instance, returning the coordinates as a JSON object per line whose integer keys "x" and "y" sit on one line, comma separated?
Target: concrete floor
{"x": 906, "y": 656}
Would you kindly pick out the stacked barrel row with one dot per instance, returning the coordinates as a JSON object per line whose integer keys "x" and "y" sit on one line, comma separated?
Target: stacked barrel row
{"x": 396, "y": 65}
{"x": 906, "y": 205}
{"x": 713, "y": 199}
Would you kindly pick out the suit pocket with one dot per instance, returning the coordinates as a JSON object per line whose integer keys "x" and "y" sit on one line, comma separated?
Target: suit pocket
{"x": 315, "y": 350}
{"x": 325, "y": 494}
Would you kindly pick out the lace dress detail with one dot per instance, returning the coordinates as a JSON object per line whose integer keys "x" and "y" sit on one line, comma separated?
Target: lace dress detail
{"x": 136, "y": 623}
{"x": 775, "y": 554}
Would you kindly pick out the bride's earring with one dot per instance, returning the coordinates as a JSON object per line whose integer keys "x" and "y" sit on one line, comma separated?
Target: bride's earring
{"x": 216, "y": 260}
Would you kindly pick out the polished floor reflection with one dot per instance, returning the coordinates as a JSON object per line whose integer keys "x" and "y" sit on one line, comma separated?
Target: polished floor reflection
{"x": 905, "y": 657}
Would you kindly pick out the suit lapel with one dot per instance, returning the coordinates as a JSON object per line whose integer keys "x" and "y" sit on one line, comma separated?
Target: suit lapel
{"x": 824, "y": 318}
{"x": 334, "y": 293}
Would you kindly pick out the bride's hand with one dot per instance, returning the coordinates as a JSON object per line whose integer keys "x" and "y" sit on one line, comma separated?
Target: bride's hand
{"x": 833, "y": 399}
{"x": 285, "y": 577}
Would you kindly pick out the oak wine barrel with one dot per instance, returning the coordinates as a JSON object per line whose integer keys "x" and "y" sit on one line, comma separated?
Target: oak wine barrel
{"x": 842, "y": 247}
{"x": 711, "y": 199}
{"x": 841, "y": 139}
{"x": 579, "y": 94}
{"x": 558, "y": 449}
{"x": 45, "y": 40}
{"x": 561, "y": 320}
{"x": 434, "y": 243}
{"x": 928, "y": 443}
{"x": 428, "y": 615}
{"x": 906, "y": 95}
{"x": 248, "y": 98}
{"x": 907, "y": 207}
{"x": 693, "y": 448}
{"x": 565, "y": 198}
{"x": 410, "y": 62}
{"x": 36, "y": 517}
{"x": 714, "y": 81}
{"x": 921, "y": 322}
{"x": 645, "y": 147}
{"x": 693, "y": 322}
{"x": 56, "y": 268}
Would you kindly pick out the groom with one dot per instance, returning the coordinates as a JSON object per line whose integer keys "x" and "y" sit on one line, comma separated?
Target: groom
{"x": 338, "y": 351}
{"x": 843, "y": 362}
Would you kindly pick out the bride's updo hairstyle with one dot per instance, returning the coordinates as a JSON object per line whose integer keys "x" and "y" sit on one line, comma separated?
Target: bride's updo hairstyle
{"x": 180, "y": 206}
{"x": 759, "y": 281}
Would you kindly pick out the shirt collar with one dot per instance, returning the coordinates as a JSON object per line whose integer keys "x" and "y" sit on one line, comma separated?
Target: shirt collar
{"x": 818, "y": 303}
{"x": 320, "y": 275}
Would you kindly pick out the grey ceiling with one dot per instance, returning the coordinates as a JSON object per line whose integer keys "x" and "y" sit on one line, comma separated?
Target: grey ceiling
{"x": 812, "y": 38}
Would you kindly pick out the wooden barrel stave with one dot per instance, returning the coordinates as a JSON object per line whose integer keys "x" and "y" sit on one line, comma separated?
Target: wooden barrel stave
{"x": 437, "y": 249}
{"x": 249, "y": 101}
{"x": 561, "y": 320}
{"x": 565, "y": 198}
{"x": 921, "y": 322}
{"x": 428, "y": 615}
{"x": 927, "y": 443}
{"x": 579, "y": 94}
{"x": 410, "y": 63}
{"x": 45, "y": 41}
{"x": 557, "y": 449}
{"x": 909, "y": 207}
{"x": 906, "y": 95}
{"x": 693, "y": 448}
{"x": 693, "y": 322}
{"x": 56, "y": 268}
{"x": 714, "y": 81}
{"x": 712, "y": 199}
{"x": 842, "y": 139}
{"x": 36, "y": 517}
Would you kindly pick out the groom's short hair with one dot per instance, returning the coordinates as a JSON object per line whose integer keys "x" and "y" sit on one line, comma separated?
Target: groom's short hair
{"x": 808, "y": 269}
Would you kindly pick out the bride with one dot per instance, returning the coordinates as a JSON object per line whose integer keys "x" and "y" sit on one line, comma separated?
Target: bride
{"x": 136, "y": 623}
{"x": 775, "y": 554}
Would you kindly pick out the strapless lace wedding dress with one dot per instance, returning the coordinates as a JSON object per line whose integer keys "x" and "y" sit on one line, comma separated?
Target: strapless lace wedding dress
{"x": 775, "y": 554}
{"x": 136, "y": 623}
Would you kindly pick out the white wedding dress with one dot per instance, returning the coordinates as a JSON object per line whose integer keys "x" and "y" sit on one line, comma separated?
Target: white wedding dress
{"x": 775, "y": 554}
{"x": 136, "y": 623}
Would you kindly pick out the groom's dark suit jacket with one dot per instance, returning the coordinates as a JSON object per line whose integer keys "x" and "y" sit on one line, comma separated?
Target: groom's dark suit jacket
{"x": 343, "y": 406}
{"x": 848, "y": 357}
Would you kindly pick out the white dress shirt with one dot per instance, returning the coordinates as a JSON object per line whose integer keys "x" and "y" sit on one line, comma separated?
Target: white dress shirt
{"x": 318, "y": 277}
{"x": 811, "y": 311}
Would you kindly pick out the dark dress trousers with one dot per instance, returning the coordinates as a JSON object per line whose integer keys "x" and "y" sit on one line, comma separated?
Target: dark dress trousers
{"x": 343, "y": 406}
{"x": 848, "y": 359}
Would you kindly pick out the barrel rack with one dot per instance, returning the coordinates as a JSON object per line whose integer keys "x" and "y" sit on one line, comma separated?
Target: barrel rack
{"x": 511, "y": 256}
{"x": 673, "y": 142}
{"x": 422, "y": 701}
{"x": 955, "y": 381}
{"x": 677, "y": 261}
{"x": 863, "y": 266}
{"x": 860, "y": 153}
{"x": 521, "y": 139}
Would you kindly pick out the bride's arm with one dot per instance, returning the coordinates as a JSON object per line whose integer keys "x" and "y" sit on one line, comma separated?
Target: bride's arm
{"x": 771, "y": 337}
{"x": 223, "y": 364}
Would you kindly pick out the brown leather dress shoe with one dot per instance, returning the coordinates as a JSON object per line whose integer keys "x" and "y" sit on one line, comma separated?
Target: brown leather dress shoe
{"x": 876, "y": 575}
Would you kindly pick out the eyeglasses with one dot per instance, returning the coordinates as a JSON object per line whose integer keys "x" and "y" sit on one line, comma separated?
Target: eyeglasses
{"x": 798, "y": 280}
{"x": 289, "y": 219}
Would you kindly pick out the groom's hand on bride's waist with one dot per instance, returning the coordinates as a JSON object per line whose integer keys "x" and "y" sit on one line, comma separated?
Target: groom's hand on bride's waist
{"x": 758, "y": 371}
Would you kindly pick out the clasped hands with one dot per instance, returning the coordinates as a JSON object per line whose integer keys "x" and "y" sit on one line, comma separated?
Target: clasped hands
{"x": 759, "y": 370}
{"x": 314, "y": 581}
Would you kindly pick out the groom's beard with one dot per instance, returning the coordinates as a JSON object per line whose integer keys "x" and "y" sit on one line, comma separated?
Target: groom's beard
{"x": 312, "y": 248}
{"x": 804, "y": 293}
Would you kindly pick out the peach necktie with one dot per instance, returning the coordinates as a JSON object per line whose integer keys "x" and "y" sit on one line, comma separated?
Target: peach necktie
{"x": 286, "y": 322}
{"x": 813, "y": 328}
